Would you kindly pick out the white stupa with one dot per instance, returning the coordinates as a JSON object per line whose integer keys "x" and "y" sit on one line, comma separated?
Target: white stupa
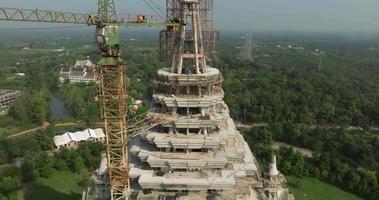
{"x": 273, "y": 170}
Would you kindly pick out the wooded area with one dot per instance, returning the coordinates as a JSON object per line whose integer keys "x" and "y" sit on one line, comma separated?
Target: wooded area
{"x": 302, "y": 97}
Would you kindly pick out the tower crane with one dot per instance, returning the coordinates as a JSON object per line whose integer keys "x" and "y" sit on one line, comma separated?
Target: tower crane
{"x": 111, "y": 70}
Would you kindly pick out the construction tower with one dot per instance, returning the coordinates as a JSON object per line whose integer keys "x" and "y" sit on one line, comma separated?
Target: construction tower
{"x": 170, "y": 36}
{"x": 197, "y": 153}
{"x": 113, "y": 99}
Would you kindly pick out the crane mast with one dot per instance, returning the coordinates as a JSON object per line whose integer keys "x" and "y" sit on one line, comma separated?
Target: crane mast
{"x": 111, "y": 72}
{"x": 113, "y": 99}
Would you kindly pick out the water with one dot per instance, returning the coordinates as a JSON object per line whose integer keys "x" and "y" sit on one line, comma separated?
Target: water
{"x": 57, "y": 108}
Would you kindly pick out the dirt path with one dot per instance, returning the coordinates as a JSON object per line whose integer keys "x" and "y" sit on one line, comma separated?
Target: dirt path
{"x": 241, "y": 126}
{"x": 303, "y": 151}
{"x": 46, "y": 125}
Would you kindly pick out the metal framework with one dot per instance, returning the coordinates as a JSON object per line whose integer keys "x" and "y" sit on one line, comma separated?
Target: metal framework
{"x": 190, "y": 51}
{"x": 113, "y": 98}
{"x": 111, "y": 70}
{"x": 170, "y": 37}
{"x": 35, "y": 15}
{"x": 106, "y": 11}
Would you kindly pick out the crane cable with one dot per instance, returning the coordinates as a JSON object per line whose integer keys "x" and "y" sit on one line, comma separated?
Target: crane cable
{"x": 155, "y": 8}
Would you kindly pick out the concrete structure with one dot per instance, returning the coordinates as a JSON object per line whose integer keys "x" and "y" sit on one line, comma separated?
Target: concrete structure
{"x": 82, "y": 72}
{"x": 273, "y": 183}
{"x": 72, "y": 140}
{"x": 8, "y": 97}
{"x": 170, "y": 36}
{"x": 99, "y": 190}
{"x": 197, "y": 150}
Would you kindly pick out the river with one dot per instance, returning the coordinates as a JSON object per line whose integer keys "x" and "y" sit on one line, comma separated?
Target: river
{"x": 57, "y": 107}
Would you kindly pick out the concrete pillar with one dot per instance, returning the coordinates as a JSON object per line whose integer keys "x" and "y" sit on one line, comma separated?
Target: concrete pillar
{"x": 174, "y": 111}
{"x": 205, "y": 131}
{"x": 203, "y": 111}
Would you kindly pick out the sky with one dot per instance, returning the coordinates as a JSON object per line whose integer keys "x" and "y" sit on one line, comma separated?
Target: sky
{"x": 256, "y": 15}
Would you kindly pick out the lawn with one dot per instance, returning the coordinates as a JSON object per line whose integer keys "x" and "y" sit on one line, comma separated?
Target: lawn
{"x": 313, "y": 189}
{"x": 62, "y": 185}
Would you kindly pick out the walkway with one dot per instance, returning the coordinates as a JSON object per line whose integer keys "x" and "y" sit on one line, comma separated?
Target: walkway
{"x": 46, "y": 125}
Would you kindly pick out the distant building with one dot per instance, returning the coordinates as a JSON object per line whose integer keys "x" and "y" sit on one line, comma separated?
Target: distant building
{"x": 25, "y": 47}
{"x": 8, "y": 97}
{"x": 84, "y": 63}
{"x": 72, "y": 140}
{"x": 82, "y": 72}
{"x": 20, "y": 74}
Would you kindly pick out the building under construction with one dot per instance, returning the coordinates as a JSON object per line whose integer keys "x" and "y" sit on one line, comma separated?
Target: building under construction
{"x": 197, "y": 153}
{"x": 169, "y": 37}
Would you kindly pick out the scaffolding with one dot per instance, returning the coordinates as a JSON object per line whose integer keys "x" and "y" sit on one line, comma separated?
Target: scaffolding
{"x": 169, "y": 38}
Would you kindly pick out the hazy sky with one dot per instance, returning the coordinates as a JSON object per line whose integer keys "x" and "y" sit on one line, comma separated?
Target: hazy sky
{"x": 298, "y": 15}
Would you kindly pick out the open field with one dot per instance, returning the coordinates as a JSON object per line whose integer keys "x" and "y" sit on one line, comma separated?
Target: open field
{"x": 62, "y": 185}
{"x": 313, "y": 189}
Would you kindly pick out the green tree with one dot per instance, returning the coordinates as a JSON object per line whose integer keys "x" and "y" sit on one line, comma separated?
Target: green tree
{"x": 77, "y": 164}
{"x": 46, "y": 171}
{"x": 9, "y": 184}
{"x": 324, "y": 174}
{"x": 60, "y": 164}
{"x": 85, "y": 181}
{"x": 20, "y": 111}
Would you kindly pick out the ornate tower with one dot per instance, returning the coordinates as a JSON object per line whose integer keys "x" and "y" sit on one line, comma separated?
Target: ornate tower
{"x": 189, "y": 55}
{"x": 198, "y": 149}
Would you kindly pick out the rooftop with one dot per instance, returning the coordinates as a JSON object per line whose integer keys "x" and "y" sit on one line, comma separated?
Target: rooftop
{"x": 68, "y": 137}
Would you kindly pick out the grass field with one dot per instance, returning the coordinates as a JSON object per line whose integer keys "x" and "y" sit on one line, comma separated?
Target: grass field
{"x": 313, "y": 189}
{"x": 62, "y": 185}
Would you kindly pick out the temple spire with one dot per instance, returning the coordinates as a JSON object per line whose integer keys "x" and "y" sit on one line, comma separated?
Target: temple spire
{"x": 273, "y": 170}
{"x": 189, "y": 57}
